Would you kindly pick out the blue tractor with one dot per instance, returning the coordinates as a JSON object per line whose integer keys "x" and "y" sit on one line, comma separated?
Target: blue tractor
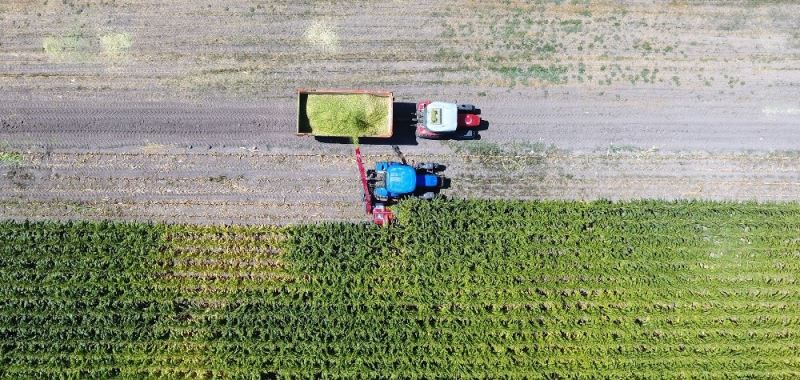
{"x": 391, "y": 181}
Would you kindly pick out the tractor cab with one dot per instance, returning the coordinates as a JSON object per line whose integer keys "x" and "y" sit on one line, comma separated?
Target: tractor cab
{"x": 441, "y": 120}
{"x": 441, "y": 117}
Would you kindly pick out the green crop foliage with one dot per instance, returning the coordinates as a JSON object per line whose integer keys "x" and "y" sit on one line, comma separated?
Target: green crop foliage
{"x": 357, "y": 115}
{"x": 10, "y": 157}
{"x": 455, "y": 289}
{"x": 553, "y": 74}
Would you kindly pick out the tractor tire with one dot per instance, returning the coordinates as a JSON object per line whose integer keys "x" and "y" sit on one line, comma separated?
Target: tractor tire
{"x": 466, "y": 107}
{"x": 445, "y": 181}
{"x": 430, "y": 166}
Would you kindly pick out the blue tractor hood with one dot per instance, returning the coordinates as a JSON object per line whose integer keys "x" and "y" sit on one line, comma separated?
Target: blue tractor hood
{"x": 401, "y": 179}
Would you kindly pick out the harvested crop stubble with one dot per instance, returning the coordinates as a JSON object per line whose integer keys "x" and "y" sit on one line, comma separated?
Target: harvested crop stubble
{"x": 354, "y": 115}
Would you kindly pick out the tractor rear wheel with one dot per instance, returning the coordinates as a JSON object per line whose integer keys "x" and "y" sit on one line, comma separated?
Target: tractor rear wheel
{"x": 466, "y": 107}
{"x": 430, "y": 166}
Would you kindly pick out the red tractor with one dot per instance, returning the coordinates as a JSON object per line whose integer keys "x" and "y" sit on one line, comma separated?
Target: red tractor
{"x": 440, "y": 120}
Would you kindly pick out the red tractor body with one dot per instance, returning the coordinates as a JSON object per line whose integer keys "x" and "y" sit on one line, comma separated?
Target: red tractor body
{"x": 440, "y": 120}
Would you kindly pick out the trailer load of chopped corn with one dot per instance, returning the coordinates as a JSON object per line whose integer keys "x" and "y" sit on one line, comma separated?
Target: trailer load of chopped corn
{"x": 352, "y": 115}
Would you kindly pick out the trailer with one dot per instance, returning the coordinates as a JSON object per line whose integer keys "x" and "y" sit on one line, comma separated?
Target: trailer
{"x": 342, "y": 105}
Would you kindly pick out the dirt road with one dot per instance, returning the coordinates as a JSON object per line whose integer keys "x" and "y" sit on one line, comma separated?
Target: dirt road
{"x": 184, "y": 111}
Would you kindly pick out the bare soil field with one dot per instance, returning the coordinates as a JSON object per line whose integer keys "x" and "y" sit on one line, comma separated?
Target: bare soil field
{"x": 185, "y": 110}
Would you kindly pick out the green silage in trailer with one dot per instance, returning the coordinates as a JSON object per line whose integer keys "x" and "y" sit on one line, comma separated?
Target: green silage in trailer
{"x": 348, "y": 115}
{"x": 455, "y": 289}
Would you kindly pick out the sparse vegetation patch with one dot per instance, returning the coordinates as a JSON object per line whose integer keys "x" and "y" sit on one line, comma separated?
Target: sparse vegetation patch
{"x": 10, "y": 157}
{"x": 116, "y": 44}
{"x": 73, "y": 46}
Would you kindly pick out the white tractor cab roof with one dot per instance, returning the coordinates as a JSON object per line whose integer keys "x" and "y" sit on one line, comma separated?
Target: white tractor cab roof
{"x": 441, "y": 117}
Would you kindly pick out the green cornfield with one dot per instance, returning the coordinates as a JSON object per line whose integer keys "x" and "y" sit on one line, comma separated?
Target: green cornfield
{"x": 491, "y": 289}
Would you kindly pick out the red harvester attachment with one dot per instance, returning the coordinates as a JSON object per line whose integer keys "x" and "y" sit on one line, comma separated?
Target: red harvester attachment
{"x": 381, "y": 214}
